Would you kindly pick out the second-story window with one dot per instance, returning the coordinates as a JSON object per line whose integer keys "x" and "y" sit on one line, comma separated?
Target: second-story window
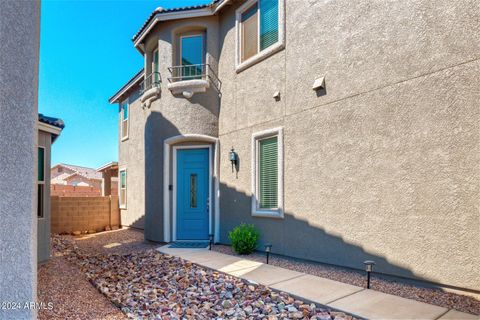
{"x": 260, "y": 31}
{"x": 259, "y": 27}
{"x": 192, "y": 56}
{"x": 124, "y": 116}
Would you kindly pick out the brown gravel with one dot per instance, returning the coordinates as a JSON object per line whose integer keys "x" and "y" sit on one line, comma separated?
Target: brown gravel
{"x": 434, "y": 296}
{"x": 146, "y": 284}
{"x": 120, "y": 241}
{"x": 70, "y": 294}
{"x": 65, "y": 286}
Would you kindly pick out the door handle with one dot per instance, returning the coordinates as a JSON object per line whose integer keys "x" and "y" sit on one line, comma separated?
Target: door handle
{"x": 208, "y": 204}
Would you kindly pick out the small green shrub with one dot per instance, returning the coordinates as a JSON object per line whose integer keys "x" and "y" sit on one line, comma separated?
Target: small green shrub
{"x": 244, "y": 238}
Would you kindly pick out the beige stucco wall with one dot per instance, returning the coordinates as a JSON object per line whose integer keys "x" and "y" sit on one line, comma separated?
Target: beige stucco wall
{"x": 132, "y": 157}
{"x": 168, "y": 116}
{"x": 19, "y": 56}
{"x": 382, "y": 165}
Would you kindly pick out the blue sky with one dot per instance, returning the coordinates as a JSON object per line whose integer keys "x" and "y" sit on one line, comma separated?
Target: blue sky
{"x": 86, "y": 54}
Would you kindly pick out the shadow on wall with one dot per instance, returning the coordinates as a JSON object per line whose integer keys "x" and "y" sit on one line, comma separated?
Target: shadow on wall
{"x": 299, "y": 239}
{"x": 157, "y": 129}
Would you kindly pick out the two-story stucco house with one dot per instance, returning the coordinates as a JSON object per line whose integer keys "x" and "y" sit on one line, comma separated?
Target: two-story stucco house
{"x": 344, "y": 130}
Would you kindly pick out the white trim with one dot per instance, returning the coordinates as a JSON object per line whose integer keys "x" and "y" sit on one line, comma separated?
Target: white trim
{"x": 48, "y": 128}
{"x": 122, "y": 168}
{"x": 261, "y": 55}
{"x": 205, "y": 12}
{"x": 168, "y": 143}
{"x": 279, "y": 212}
{"x": 174, "y": 198}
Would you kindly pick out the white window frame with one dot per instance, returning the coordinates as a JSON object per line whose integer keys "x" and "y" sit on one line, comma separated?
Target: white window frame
{"x": 256, "y": 137}
{"x": 42, "y": 182}
{"x": 261, "y": 55}
{"x": 124, "y": 206}
{"x": 123, "y": 135}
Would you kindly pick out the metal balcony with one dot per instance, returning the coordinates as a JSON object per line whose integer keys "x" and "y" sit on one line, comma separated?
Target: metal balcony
{"x": 195, "y": 75}
{"x": 153, "y": 80}
{"x": 150, "y": 88}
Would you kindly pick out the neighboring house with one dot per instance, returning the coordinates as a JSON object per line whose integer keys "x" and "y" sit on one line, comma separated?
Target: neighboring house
{"x": 48, "y": 131}
{"x": 109, "y": 172}
{"x": 78, "y": 181}
{"x": 379, "y": 161}
{"x": 67, "y": 174}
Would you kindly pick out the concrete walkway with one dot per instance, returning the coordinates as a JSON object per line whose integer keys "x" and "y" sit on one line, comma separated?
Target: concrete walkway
{"x": 355, "y": 300}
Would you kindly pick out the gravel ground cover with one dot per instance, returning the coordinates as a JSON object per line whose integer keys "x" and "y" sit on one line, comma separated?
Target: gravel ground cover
{"x": 429, "y": 295}
{"x": 144, "y": 283}
{"x": 71, "y": 295}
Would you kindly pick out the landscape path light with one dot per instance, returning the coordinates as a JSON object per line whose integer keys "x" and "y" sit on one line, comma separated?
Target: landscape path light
{"x": 369, "y": 268}
{"x": 210, "y": 241}
{"x": 268, "y": 249}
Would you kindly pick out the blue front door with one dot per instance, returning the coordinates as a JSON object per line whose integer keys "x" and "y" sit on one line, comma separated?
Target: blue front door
{"x": 192, "y": 194}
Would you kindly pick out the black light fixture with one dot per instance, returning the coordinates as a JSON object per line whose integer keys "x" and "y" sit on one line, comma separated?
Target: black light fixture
{"x": 369, "y": 268}
{"x": 210, "y": 241}
{"x": 268, "y": 248}
{"x": 233, "y": 158}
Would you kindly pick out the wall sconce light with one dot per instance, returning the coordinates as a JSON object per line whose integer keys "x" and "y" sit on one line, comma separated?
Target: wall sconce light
{"x": 233, "y": 158}
{"x": 318, "y": 84}
{"x": 268, "y": 249}
{"x": 210, "y": 241}
{"x": 368, "y": 268}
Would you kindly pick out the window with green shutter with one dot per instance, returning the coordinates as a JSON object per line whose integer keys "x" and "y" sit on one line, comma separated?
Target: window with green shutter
{"x": 268, "y": 173}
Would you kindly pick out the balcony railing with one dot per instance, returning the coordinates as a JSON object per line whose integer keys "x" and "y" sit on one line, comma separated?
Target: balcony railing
{"x": 194, "y": 72}
{"x": 153, "y": 80}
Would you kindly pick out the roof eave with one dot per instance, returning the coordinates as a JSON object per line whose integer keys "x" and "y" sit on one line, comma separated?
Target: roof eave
{"x": 132, "y": 82}
{"x": 109, "y": 165}
{"x": 166, "y": 16}
{"x": 53, "y": 130}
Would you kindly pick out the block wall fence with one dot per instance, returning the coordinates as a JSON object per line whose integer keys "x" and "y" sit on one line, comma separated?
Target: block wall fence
{"x": 82, "y": 214}
{"x": 74, "y": 191}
